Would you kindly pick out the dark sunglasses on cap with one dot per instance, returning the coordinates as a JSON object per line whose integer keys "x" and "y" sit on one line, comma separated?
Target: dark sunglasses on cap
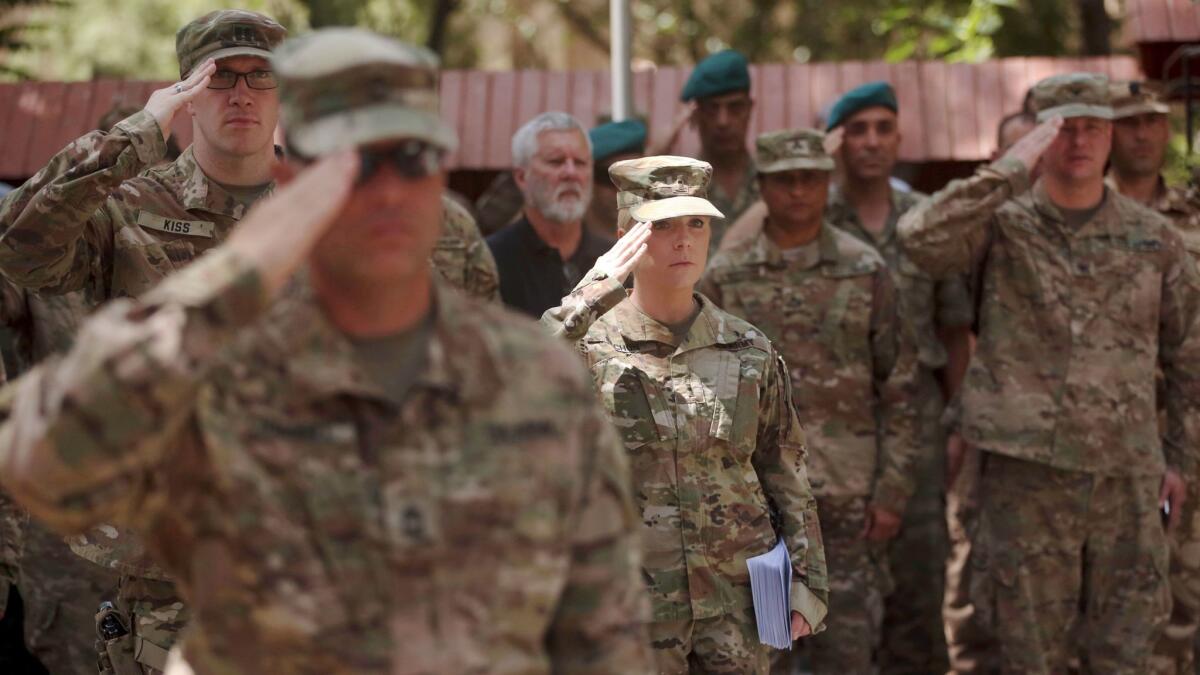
{"x": 255, "y": 79}
{"x": 410, "y": 159}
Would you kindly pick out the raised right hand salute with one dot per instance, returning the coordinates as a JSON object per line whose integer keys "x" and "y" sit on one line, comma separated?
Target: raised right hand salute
{"x": 164, "y": 104}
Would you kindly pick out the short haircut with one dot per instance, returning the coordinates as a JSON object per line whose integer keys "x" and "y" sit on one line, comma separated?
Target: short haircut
{"x": 1020, "y": 115}
{"x": 524, "y": 142}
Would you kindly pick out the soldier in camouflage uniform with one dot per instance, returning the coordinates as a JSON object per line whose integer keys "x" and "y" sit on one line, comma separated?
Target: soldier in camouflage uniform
{"x": 324, "y": 509}
{"x": 1084, "y": 293}
{"x": 825, "y": 299}
{"x": 703, "y": 403}
{"x": 99, "y": 219}
{"x": 719, "y": 90}
{"x": 59, "y": 589}
{"x": 1141, "y": 132}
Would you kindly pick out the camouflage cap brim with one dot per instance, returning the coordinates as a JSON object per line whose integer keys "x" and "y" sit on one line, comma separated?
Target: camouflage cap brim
{"x": 1076, "y": 110}
{"x": 1141, "y": 108}
{"x": 673, "y": 207}
{"x": 821, "y": 164}
{"x": 233, "y": 51}
{"x": 362, "y": 126}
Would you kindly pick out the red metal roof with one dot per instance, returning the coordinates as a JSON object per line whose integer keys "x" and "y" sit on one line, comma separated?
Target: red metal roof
{"x": 1162, "y": 20}
{"x": 948, "y": 111}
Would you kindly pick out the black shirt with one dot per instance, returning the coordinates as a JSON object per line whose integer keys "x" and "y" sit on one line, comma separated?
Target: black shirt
{"x": 533, "y": 276}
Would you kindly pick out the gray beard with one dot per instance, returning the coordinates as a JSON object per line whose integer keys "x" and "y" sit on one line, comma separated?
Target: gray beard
{"x": 559, "y": 210}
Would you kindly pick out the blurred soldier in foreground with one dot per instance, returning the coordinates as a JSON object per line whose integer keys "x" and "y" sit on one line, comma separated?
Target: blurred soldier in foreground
{"x": 100, "y": 220}
{"x": 1141, "y": 132}
{"x": 825, "y": 299}
{"x": 1084, "y": 295}
{"x": 357, "y": 473}
{"x": 704, "y": 405}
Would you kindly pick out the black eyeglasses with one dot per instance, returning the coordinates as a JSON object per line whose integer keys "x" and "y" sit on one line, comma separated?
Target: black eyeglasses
{"x": 411, "y": 159}
{"x": 255, "y": 79}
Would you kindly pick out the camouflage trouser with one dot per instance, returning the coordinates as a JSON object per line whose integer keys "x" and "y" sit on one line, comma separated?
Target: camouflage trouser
{"x": 1066, "y": 550}
{"x": 914, "y": 639}
{"x": 1174, "y": 652}
{"x": 61, "y": 591}
{"x": 967, "y": 639}
{"x": 153, "y": 615}
{"x": 724, "y": 645}
{"x": 858, "y": 582}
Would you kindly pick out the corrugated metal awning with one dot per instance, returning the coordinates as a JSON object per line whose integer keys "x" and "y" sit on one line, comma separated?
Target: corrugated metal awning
{"x": 949, "y": 112}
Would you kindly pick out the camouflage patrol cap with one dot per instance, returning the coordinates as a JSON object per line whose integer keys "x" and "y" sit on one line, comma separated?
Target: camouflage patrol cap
{"x": 792, "y": 149}
{"x": 1136, "y": 98}
{"x": 345, "y": 87}
{"x": 224, "y": 33}
{"x": 663, "y": 186}
{"x": 1072, "y": 95}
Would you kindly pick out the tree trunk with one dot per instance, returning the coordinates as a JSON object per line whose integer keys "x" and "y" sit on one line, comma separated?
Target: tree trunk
{"x": 439, "y": 18}
{"x": 1096, "y": 28}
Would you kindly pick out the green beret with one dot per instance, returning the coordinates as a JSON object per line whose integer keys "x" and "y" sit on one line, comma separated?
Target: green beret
{"x": 720, "y": 73}
{"x": 866, "y": 96}
{"x": 617, "y": 138}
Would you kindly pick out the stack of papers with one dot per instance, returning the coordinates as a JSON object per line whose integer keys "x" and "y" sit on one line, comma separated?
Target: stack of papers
{"x": 771, "y": 584}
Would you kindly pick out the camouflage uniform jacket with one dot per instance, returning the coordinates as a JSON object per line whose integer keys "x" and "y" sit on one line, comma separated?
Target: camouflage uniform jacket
{"x": 852, "y": 365}
{"x": 1183, "y": 210}
{"x": 715, "y": 450}
{"x": 96, "y": 219}
{"x": 925, "y": 305}
{"x": 1072, "y": 324}
{"x": 731, "y": 205}
{"x": 482, "y": 524}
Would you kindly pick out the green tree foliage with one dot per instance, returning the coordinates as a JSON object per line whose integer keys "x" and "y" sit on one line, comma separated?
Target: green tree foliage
{"x": 135, "y": 38}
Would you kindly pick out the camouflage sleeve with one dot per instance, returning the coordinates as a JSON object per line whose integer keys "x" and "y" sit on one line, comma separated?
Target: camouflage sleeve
{"x": 895, "y": 364}
{"x": 779, "y": 462}
{"x": 945, "y": 234}
{"x": 596, "y": 294}
{"x": 87, "y": 427}
{"x": 477, "y": 274}
{"x": 55, "y": 228}
{"x": 600, "y": 621}
{"x": 1179, "y": 357}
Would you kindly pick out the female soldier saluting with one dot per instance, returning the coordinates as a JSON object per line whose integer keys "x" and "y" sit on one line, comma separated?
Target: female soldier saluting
{"x": 703, "y": 405}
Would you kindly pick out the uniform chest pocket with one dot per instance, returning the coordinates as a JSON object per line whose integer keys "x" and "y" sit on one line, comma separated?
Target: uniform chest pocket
{"x": 1133, "y": 279}
{"x": 737, "y": 390}
{"x": 637, "y": 406}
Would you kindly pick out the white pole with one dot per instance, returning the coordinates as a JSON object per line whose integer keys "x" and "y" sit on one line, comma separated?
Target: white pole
{"x": 622, "y": 80}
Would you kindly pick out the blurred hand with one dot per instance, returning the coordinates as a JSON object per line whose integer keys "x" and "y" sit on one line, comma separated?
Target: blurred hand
{"x": 1173, "y": 494}
{"x": 956, "y": 453}
{"x": 1030, "y": 148}
{"x": 881, "y": 525}
{"x": 800, "y": 627}
{"x": 663, "y": 139}
{"x": 833, "y": 141}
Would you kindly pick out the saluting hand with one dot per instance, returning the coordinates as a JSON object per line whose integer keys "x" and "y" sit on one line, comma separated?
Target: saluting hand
{"x": 620, "y": 260}
{"x": 1030, "y": 148}
{"x": 833, "y": 141}
{"x": 166, "y": 102}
